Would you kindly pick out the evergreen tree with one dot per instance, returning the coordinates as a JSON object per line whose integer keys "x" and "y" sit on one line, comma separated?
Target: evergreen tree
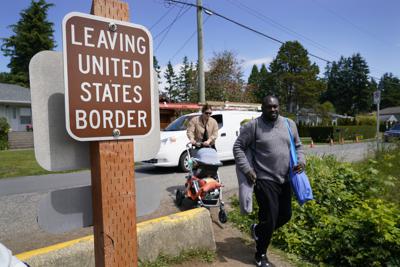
{"x": 194, "y": 92}
{"x": 224, "y": 79}
{"x": 32, "y": 34}
{"x": 171, "y": 88}
{"x": 265, "y": 84}
{"x": 254, "y": 76}
{"x": 390, "y": 87}
{"x": 157, "y": 68}
{"x": 362, "y": 100}
{"x": 293, "y": 78}
{"x": 6, "y": 77}
{"x": 348, "y": 87}
{"x": 252, "y": 86}
{"x": 187, "y": 80}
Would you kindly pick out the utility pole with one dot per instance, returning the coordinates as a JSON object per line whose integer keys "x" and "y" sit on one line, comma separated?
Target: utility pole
{"x": 377, "y": 101}
{"x": 201, "y": 81}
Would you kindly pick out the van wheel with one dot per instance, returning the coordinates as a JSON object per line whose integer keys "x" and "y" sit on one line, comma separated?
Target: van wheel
{"x": 184, "y": 162}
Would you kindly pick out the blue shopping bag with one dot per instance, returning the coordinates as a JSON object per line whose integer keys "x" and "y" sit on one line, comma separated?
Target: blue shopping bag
{"x": 299, "y": 181}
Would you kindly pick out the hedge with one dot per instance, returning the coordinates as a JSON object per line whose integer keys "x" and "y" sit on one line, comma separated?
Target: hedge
{"x": 324, "y": 133}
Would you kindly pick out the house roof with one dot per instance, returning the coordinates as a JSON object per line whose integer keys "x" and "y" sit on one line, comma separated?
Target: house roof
{"x": 176, "y": 106}
{"x": 11, "y": 93}
{"x": 390, "y": 118}
{"x": 389, "y": 111}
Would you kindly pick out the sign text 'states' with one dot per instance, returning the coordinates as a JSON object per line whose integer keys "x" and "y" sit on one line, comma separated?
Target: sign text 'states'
{"x": 108, "y": 78}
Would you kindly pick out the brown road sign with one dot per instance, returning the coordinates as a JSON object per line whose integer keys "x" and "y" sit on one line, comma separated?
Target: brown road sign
{"x": 108, "y": 78}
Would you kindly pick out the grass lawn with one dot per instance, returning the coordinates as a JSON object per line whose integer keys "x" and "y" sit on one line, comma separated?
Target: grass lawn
{"x": 19, "y": 163}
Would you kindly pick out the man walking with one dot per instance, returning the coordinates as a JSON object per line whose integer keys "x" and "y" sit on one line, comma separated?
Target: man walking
{"x": 268, "y": 140}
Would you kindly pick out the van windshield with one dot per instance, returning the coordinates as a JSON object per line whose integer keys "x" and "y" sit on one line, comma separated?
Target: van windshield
{"x": 180, "y": 124}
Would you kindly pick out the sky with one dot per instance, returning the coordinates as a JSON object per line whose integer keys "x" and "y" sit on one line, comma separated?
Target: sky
{"x": 327, "y": 29}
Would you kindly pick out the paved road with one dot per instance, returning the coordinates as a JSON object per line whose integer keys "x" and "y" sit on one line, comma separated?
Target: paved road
{"x": 19, "y": 197}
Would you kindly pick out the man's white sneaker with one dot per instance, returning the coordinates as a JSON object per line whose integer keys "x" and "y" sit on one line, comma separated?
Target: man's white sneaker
{"x": 262, "y": 261}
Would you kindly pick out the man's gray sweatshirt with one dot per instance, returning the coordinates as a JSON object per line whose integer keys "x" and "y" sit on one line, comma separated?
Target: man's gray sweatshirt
{"x": 269, "y": 142}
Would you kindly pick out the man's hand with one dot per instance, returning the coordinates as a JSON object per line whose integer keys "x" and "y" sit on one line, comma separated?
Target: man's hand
{"x": 193, "y": 142}
{"x": 299, "y": 168}
{"x": 251, "y": 177}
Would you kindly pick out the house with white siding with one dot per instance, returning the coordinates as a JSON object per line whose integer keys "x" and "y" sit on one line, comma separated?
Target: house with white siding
{"x": 15, "y": 106}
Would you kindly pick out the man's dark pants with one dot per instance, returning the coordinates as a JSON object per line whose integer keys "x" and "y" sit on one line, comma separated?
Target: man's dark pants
{"x": 275, "y": 209}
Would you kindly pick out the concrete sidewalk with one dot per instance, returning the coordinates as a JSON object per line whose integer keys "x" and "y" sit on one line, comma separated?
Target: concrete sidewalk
{"x": 233, "y": 248}
{"x": 166, "y": 235}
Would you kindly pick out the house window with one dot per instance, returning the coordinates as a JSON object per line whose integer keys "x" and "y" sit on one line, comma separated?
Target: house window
{"x": 26, "y": 119}
{"x": 25, "y": 112}
{"x": 14, "y": 111}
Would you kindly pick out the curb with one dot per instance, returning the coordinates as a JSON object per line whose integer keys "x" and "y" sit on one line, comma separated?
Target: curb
{"x": 167, "y": 235}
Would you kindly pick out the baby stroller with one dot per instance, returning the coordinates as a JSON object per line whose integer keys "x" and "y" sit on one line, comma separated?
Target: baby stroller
{"x": 203, "y": 184}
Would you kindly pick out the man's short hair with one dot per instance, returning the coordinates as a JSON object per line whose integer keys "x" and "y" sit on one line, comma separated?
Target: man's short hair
{"x": 265, "y": 99}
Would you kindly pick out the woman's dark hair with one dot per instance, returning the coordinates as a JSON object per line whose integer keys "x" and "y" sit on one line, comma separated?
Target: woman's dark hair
{"x": 205, "y": 107}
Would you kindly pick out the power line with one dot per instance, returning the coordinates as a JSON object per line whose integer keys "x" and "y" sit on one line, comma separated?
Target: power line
{"x": 161, "y": 18}
{"x": 244, "y": 26}
{"x": 212, "y": 12}
{"x": 362, "y": 30}
{"x": 168, "y": 28}
{"x": 169, "y": 25}
{"x": 276, "y": 24}
{"x": 187, "y": 41}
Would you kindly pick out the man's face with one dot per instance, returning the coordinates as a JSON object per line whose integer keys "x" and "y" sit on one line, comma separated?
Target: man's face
{"x": 270, "y": 108}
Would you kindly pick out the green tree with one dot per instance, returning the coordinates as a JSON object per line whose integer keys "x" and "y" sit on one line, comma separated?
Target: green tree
{"x": 265, "y": 84}
{"x": 5, "y": 77}
{"x": 294, "y": 78}
{"x": 224, "y": 79}
{"x": 348, "y": 86}
{"x": 32, "y": 34}
{"x": 187, "y": 81}
{"x": 251, "y": 88}
{"x": 361, "y": 85}
{"x": 254, "y": 76}
{"x": 157, "y": 68}
{"x": 171, "y": 88}
{"x": 324, "y": 111}
{"x": 390, "y": 87}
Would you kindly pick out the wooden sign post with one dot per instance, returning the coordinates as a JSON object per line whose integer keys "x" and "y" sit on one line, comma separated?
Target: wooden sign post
{"x": 108, "y": 75}
{"x": 113, "y": 184}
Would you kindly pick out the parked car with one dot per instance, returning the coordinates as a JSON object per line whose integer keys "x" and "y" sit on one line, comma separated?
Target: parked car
{"x": 172, "y": 151}
{"x": 392, "y": 133}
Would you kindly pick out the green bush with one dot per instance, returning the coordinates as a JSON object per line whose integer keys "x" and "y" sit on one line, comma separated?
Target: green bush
{"x": 346, "y": 121}
{"x": 350, "y": 223}
{"x": 385, "y": 167}
{"x": 4, "y": 128}
{"x": 366, "y": 120}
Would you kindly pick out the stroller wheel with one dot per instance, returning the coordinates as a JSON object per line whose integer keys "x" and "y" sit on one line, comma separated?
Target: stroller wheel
{"x": 222, "y": 216}
{"x": 179, "y": 197}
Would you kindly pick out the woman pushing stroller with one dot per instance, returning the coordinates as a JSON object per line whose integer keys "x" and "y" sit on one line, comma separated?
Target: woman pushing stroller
{"x": 203, "y": 129}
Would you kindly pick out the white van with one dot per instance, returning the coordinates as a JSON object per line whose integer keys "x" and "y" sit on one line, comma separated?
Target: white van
{"x": 172, "y": 151}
